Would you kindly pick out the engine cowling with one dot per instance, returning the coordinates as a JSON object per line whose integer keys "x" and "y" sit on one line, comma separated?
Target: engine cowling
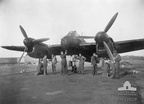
{"x": 38, "y": 51}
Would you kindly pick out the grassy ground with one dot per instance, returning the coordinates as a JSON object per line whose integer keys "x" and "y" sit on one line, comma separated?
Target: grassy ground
{"x": 27, "y": 88}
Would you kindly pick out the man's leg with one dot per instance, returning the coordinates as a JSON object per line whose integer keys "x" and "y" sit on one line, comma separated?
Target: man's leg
{"x": 45, "y": 70}
{"x": 117, "y": 70}
{"x": 75, "y": 69}
{"x": 113, "y": 70}
{"x": 39, "y": 69}
{"x": 52, "y": 68}
{"x": 79, "y": 69}
{"x": 82, "y": 69}
{"x": 65, "y": 69}
{"x": 72, "y": 69}
{"x": 94, "y": 69}
{"x": 61, "y": 69}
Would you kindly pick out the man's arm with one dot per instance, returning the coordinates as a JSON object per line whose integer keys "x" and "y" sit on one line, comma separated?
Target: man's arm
{"x": 91, "y": 60}
{"x": 84, "y": 58}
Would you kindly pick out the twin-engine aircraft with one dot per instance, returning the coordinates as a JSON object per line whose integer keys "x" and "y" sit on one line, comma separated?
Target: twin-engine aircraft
{"x": 103, "y": 44}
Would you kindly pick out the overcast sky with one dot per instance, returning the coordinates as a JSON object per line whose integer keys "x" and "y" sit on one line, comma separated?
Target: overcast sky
{"x": 55, "y": 18}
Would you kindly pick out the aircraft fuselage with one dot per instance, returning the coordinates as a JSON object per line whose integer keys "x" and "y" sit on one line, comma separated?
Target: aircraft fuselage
{"x": 72, "y": 44}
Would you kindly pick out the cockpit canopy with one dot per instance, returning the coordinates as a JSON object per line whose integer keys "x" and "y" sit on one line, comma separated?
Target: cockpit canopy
{"x": 73, "y": 34}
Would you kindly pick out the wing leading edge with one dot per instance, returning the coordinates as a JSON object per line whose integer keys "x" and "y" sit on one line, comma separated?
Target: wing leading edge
{"x": 15, "y": 48}
{"x": 129, "y": 45}
{"x": 122, "y": 46}
{"x": 52, "y": 49}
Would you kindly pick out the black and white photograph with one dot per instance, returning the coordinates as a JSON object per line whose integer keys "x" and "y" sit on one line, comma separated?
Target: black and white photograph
{"x": 71, "y": 51}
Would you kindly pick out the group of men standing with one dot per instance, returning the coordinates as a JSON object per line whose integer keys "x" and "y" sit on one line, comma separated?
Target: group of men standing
{"x": 107, "y": 64}
{"x": 73, "y": 63}
{"x": 116, "y": 65}
{"x": 42, "y": 66}
{"x": 43, "y": 63}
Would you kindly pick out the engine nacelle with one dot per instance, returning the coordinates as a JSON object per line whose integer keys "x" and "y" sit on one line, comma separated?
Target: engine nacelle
{"x": 38, "y": 51}
{"x": 100, "y": 47}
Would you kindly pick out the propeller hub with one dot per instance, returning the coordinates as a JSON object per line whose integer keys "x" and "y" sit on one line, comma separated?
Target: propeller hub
{"x": 101, "y": 37}
{"x": 28, "y": 42}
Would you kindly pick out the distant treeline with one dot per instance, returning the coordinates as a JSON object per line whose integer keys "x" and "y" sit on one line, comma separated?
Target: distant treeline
{"x": 132, "y": 57}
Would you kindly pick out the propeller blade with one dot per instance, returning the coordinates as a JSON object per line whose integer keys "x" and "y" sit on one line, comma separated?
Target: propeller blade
{"x": 40, "y": 40}
{"x": 22, "y": 55}
{"x": 23, "y": 32}
{"x": 85, "y": 37}
{"x": 109, "y": 52}
{"x": 111, "y": 22}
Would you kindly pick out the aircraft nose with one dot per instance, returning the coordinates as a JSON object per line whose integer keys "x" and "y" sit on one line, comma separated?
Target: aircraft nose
{"x": 64, "y": 43}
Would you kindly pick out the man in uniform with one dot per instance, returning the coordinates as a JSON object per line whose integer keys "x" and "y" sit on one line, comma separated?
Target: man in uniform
{"x": 116, "y": 66}
{"x": 54, "y": 62}
{"x": 94, "y": 61}
{"x": 74, "y": 67}
{"x": 63, "y": 63}
{"x": 74, "y": 63}
{"x": 117, "y": 58}
{"x": 40, "y": 67}
{"x": 81, "y": 63}
{"x": 45, "y": 64}
{"x": 106, "y": 67}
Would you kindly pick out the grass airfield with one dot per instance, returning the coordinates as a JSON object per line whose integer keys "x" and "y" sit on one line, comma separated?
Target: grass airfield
{"x": 28, "y": 88}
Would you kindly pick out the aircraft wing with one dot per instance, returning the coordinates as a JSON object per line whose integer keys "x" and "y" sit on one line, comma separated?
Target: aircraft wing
{"x": 89, "y": 48}
{"x": 55, "y": 49}
{"x": 129, "y": 45}
{"x": 121, "y": 46}
{"x": 15, "y": 48}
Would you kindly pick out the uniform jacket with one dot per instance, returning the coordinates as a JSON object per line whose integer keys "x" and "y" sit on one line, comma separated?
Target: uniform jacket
{"x": 54, "y": 60}
{"x": 63, "y": 58}
{"x": 94, "y": 60}
{"x": 44, "y": 61}
{"x": 81, "y": 59}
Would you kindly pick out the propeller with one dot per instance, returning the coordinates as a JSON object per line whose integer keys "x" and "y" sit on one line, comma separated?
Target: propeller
{"x": 36, "y": 40}
{"x": 110, "y": 22}
{"x": 105, "y": 30}
{"x": 29, "y": 42}
{"x": 40, "y": 40}
{"x": 109, "y": 52}
{"x": 22, "y": 55}
{"x": 23, "y": 32}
